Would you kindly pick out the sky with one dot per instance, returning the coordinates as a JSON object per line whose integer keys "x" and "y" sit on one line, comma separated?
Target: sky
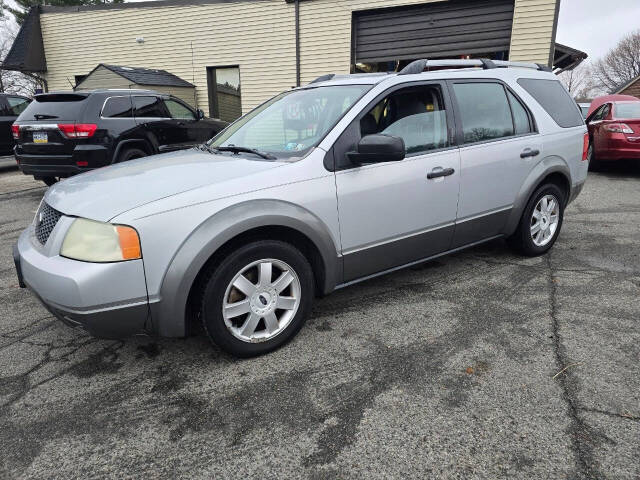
{"x": 596, "y": 26}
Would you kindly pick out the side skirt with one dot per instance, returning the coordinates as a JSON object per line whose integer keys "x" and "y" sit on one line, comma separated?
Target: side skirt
{"x": 417, "y": 262}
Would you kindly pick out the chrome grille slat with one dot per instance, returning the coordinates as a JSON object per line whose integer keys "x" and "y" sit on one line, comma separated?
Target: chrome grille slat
{"x": 46, "y": 220}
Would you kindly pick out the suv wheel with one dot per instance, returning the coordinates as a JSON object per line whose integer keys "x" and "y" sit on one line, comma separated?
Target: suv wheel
{"x": 257, "y": 298}
{"x": 541, "y": 221}
{"x": 130, "y": 154}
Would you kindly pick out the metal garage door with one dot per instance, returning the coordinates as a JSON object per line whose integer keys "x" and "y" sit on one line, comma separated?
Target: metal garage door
{"x": 442, "y": 29}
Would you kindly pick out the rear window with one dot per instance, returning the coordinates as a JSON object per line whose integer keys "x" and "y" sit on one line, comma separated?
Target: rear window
{"x": 627, "y": 110}
{"x": 66, "y": 106}
{"x": 552, "y": 96}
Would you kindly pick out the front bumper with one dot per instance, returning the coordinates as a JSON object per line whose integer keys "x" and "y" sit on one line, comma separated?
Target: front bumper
{"x": 109, "y": 300}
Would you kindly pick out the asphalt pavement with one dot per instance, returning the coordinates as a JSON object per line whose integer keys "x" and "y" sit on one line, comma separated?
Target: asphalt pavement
{"x": 480, "y": 365}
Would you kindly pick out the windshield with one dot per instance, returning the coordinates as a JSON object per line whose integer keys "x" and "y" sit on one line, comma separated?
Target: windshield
{"x": 585, "y": 110}
{"x": 629, "y": 110}
{"x": 289, "y": 125}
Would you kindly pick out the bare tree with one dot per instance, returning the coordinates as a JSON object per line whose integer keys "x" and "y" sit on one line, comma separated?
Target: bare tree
{"x": 620, "y": 65}
{"x": 579, "y": 81}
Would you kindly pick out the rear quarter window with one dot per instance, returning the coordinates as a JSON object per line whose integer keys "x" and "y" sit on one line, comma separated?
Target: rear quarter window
{"x": 117, "y": 107}
{"x": 556, "y": 101}
{"x": 55, "y": 107}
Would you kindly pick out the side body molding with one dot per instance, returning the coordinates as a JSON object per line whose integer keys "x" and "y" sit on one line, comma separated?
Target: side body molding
{"x": 168, "y": 314}
{"x": 549, "y": 165}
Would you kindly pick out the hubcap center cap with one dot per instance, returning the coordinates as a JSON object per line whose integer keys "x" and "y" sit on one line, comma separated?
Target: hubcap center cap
{"x": 264, "y": 301}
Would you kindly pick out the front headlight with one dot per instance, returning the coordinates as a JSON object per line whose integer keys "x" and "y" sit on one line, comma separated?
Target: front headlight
{"x": 92, "y": 241}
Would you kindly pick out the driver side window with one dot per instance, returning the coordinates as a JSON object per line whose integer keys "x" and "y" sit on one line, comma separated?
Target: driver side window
{"x": 415, "y": 114}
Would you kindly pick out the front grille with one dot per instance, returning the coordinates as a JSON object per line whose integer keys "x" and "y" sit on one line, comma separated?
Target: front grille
{"x": 46, "y": 220}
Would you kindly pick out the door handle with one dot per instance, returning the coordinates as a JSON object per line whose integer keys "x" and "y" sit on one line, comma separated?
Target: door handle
{"x": 440, "y": 173}
{"x": 527, "y": 152}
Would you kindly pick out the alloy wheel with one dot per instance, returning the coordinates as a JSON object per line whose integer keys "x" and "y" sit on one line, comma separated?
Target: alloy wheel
{"x": 545, "y": 220}
{"x": 261, "y": 300}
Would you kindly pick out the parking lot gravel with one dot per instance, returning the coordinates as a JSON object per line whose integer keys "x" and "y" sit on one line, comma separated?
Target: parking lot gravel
{"x": 481, "y": 365}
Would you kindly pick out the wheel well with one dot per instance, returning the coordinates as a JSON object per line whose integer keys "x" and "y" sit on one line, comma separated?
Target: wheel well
{"x": 138, "y": 143}
{"x": 284, "y": 234}
{"x": 560, "y": 180}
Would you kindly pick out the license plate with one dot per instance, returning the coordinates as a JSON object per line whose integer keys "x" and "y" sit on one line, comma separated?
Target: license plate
{"x": 40, "y": 137}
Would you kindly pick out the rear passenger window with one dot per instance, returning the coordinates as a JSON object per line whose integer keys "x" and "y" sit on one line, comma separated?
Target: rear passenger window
{"x": 557, "y": 102}
{"x": 484, "y": 110}
{"x": 521, "y": 119}
{"x": 416, "y": 114}
{"x": 148, "y": 107}
{"x": 117, "y": 107}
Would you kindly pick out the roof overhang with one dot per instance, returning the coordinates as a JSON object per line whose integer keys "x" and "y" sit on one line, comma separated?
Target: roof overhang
{"x": 567, "y": 58}
{"x": 27, "y": 51}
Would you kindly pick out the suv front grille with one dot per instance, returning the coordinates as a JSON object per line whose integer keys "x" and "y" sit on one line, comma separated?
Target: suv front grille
{"x": 46, "y": 220}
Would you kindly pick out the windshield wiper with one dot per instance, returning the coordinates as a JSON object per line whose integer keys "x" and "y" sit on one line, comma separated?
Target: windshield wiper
{"x": 236, "y": 150}
{"x": 42, "y": 116}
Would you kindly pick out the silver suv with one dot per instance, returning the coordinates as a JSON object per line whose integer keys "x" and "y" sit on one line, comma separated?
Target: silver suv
{"x": 322, "y": 186}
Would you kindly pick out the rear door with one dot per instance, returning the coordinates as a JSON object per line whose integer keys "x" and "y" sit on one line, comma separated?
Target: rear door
{"x": 498, "y": 148}
{"x": 150, "y": 113}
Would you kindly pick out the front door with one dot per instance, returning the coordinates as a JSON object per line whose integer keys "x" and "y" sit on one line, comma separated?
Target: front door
{"x": 395, "y": 213}
{"x": 498, "y": 148}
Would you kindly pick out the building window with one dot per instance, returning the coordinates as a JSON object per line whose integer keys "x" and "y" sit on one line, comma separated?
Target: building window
{"x": 225, "y": 101}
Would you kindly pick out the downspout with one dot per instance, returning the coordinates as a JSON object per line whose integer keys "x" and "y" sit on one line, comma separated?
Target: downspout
{"x": 297, "y": 15}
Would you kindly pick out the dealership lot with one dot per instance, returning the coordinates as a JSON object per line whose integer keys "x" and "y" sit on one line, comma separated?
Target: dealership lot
{"x": 483, "y": 364}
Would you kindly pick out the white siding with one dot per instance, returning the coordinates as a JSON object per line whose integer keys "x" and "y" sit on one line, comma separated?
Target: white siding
{"x": 258, "y": 36}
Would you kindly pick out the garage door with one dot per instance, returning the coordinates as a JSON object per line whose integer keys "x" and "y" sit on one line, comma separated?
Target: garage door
{"x": 442, "y": 29}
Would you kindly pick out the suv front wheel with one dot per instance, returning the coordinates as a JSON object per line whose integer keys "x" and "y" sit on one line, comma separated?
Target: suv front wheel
{"x": 541, "y": 221}
{"x": 257, "y": 298}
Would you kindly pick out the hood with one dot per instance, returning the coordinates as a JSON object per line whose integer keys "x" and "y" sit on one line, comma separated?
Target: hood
{"x": 106, "y": 192}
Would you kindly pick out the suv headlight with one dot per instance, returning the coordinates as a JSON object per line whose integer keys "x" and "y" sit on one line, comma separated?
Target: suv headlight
{"x": 92, "y": 241}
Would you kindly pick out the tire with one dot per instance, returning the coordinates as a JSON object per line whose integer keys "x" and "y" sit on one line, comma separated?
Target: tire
{"x": 130, "y": 154}
{"x": 49, "y": 180}
{"x": 529, "y": 243}
{"x": 594, "y": 164}
{"x": 243, "y": 335}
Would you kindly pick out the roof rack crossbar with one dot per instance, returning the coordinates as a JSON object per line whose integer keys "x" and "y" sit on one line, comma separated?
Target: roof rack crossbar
{"x": 419, "y": 66}
{"x": 323, "y": 78}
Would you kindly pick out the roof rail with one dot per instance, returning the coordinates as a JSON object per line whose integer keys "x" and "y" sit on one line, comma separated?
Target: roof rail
{"x": 323, "y": 78}
{"x": 419, "y": 66}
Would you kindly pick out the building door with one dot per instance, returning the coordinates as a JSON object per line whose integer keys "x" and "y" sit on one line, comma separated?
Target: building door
{"x": 435, "y": 30}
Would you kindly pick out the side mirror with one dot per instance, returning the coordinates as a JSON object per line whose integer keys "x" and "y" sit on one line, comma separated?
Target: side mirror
{"x": 199, "y": 114}
{"x": 378, "y": 148}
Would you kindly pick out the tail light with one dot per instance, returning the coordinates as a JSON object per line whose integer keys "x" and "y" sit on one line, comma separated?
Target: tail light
{"x": 15, "y": 131}
{"x": 77, "y": 130}
{"x": 585, "y": 147}
{"x": 617, "y": 128}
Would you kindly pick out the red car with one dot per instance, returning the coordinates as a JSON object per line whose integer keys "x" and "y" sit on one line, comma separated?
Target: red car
{"x": 614, "y": 130}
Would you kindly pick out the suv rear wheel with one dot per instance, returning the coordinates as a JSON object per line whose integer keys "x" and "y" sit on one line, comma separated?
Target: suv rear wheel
{"x": 130, "y": 154}
{"x": 257, "y": 298}
{"x": 541, "y": 221}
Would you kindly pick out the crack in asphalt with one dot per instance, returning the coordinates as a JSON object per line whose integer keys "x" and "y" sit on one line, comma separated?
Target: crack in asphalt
{"x": 581, "y": 434}
{"x": 626, "y": 416}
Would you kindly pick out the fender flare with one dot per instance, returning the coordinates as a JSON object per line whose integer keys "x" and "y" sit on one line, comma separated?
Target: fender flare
{"x": 549, "y": 165}
{"x": 169, "y": 313}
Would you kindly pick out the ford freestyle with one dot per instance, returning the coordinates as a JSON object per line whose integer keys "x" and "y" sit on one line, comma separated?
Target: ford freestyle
{"x": 323, "y": 186}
